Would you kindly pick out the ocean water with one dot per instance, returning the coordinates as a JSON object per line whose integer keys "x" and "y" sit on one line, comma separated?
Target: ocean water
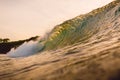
{"x": 26, "y": 49}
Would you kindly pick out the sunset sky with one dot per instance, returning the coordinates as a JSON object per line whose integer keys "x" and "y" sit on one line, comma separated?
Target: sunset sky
{"x": 21, "y": 19}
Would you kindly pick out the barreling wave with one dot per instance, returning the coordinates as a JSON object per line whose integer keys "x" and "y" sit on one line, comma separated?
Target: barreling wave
{"x": 94, "y": 26}
{"x": 79, "y": 29}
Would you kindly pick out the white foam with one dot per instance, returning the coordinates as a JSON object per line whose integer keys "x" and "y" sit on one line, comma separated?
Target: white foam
{"x": 26, "y": 49}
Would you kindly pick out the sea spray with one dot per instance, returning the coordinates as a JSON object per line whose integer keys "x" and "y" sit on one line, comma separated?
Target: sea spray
{"x": 26, "y": 49}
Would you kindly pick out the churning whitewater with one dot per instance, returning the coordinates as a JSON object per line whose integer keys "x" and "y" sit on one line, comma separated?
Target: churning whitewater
{"x": 26, "y": 49}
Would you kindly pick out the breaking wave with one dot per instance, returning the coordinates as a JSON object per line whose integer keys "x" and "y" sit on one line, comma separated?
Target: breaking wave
{"x": 80, "y": 28}
{"x": 77, "y": 30}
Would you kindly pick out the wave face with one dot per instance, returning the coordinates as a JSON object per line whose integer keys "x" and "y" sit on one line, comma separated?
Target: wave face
{"x": 81, "y": 28}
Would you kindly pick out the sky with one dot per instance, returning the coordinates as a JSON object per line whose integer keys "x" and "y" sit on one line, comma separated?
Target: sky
{"x": 22, "y": 19}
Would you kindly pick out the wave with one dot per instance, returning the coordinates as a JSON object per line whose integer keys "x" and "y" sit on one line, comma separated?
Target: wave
{"x": 80, "y": 28}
